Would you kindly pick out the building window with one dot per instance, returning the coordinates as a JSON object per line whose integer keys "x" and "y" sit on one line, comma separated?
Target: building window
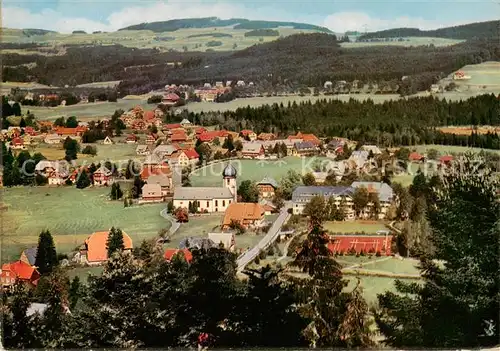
{"x": 208, "y": 204}
{"x": 227, "y": 181}
{"x": 223, "y": 203}
{"x": 216, "y": 202}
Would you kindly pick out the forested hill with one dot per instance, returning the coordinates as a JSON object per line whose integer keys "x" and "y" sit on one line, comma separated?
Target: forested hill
{"x": 490, "y": 29}
{"x": 209, "y": 22}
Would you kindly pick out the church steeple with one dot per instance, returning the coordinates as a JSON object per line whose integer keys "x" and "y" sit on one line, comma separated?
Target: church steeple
{"x": 229, "y": 179}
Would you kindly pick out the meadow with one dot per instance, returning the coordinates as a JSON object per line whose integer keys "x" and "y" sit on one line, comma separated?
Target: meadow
{"x": 369, "y": 227}
{"x": 446, "y": 149}
{"x": 71, "y": 215}
{"x": 255, "y": 170}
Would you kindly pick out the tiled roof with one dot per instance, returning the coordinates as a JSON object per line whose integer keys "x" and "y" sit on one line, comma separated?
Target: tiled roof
{"x": 304, "y": 193}
{"x": 252, "y": 147}
{"x": 96, "y": 246}
{"x": 206, "y": 193}
{"x": 191, "y": 154}
{"x": 20, "y": 269}
{"x": 246, "y": 132}
{"x": 270, "y": 181}
{"x": 385, "y": 191}
{"x": 173, "y": 126}
{"x": 160, "y": 179}
{"x": 242, "y": 211}
{"x": 415, "y": 156}
{"x": 305, "y": 145}
{"x": 170, "y": 253}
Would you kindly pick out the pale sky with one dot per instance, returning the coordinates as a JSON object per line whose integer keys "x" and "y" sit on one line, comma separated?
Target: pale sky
{"x": 339, "y": 16}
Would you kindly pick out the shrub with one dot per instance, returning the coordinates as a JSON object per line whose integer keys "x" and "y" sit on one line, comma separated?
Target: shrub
{"x": 362, "y": 253}
{"x": 262, "y": 255}
{"x": 270, "y": 251}
{"x": 89, "y": 150}
{"x": 351, "y": 251}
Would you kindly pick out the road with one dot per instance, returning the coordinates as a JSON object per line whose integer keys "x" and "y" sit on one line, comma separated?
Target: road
{"x": 264, "y": 243}
{"x": 172, "y": 220}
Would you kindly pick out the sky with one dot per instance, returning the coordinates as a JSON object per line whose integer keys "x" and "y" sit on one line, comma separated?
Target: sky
{"x": 339, "y": 16}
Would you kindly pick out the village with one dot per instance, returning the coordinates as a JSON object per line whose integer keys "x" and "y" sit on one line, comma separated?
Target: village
{"x": 166, "y": 154}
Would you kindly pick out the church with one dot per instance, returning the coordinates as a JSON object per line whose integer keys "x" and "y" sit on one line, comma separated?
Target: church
{"x": 209, "y": 199}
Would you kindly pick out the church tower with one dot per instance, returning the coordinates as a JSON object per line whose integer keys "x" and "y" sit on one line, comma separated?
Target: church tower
{"x": 229, "y": 180}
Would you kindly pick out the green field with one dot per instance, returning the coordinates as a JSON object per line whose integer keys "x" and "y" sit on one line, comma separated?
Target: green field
{"x": 93, "y": 110}
{"x": 256, "y": 170}
{"x": 372, "y": 286}
{"x": 446, "y": 149}
{"x": 71, "y": 215}
{"x": 354, "y": 227}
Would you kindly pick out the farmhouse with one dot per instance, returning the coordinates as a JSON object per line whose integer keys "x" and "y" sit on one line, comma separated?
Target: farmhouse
{"x": 155, "y": 169}
{"x": 163, "y": 180}
{"x": 78, "y": 131}
{"x": 305, "y": 148}
{"x": 185, "y": 123}
{"x": 252, "y": 150}
{"x": 17, "y": 144}
{"x": 306, "y": 137}
{"x": 102, "y": 176}
{"x": 227, "y": 240}
{"x": 163, "y": 152}
{"x": 384, "y": 192}
{"x": 179, "y": 136}
{"x": 209, "y": 136}
{"x": 266, "y": 136}
{"x": 45, "y": 167}
{"x": 267, "y": 187}
{"x": 57, "y": 177}
{"x": 143, "y": 150}
{"x": 209, "y": 199}
{"x": 361, "y": 243}
{"x": 151, "y": 139}
{"x": 19, "y": 270}
{"x": 152, "y": 193}
{"x": 341, "y": 194}
{"x": 416, "y": 157}
{"x": 247, "y": 214}
{"x": 171, "y": 253}
{"x": 131, "y": 139}
{"x": 94, "y": 250}
{"x": 248, "y": 134}
{"x": 373, "y": 148}
{"x": 184, "y": 158}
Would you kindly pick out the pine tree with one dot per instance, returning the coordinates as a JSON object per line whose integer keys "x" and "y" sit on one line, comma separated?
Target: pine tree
{"x": 46, "y": 255}
{"x": 457, "y": 306}
{"x": 116, "y": 192}
{"x": 17, "y": 328}
{"x": 115, "y": 241}
{"x": 83, "y": 180}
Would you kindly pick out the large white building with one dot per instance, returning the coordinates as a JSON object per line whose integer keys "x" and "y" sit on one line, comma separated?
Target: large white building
{"x": 209, "y": 199}
{"x": 303, "y": 194}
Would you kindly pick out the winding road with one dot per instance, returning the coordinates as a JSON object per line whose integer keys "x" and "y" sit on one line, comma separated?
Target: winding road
{"x": 264, "y": 243}
{"x": 175, "y": 225}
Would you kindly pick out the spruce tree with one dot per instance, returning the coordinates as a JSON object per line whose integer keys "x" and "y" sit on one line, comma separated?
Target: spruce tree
{"x": 116, "y": 192}
{"x": 115, "y": 241}
{"x": 83, "y": 180}
{"x": 46, "y": 256}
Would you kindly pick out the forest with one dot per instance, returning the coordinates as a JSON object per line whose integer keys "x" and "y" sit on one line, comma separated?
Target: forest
{"x": 489, "y": 29}
{"x": 393, "y": 123}
{"x": 309, "y": 59}
{"x": 210, "y": 22}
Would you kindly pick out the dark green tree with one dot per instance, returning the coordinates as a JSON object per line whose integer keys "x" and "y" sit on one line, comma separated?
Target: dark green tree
{"x": 17, "y": 327}
{"x": 75, "y": 292}
{"x": 308, "y": 179}
{"x": 115, "y": 241}
{"x": 71, "y": 122}
{"x": 116, "y": 191}
{"x": 248, "y": 191}
{"x": 457, "y": 306}
{"x": 83, "y": 180}
{"x": 46, "y": 256}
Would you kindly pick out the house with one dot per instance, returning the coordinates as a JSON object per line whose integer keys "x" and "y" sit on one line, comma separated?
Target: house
{"x": 328, "y": 85}
{"x": 359, "y": 158}
{"x": 150, "y": 139}
{"x": 240, "y": 83}
{"x": 384, "y": 192}
{"x": 320, "y": 177}
{"x": 266, "y": 136}
{"x": 179, "y": 136}
{"x": 131, "y": 139}
{"x": 306, "y": 137}
{"x": 342, "y": 244}
{"x": 172, "y": 126}
{"x": 185, "y": 123}
{"x": 199, "y": 130}
{"x": 226, "y": 240}
{"x": 416, "y": 157}
{"x": 29, "y": 256}
{"x": 170, "y": 99}
{"x": 163, "y": 180}
{"x": 305, "y": 148}
{"x": 336, "y": 145}
{"x": 171, "y": 253}
{"x": 373, "y": 148}
{"x": 268, "y": 209}
{"x": 30, "y": 131}
{"x": 143, "y": 150}
{"x": 27, "y": 139}
{"x": 19, "y": 270}
{"x": 199, "y": 243}
{"x": 247, "y": 214}
{"x": 94, "y": 249}
{"x": 252, "y": 150}
{"x": 149, "y": 170}
{"x": 184, "y": 158}
{"x": 209, "y": 136}
{"x": 77, "y": 131}
{"x": 102, "y": 176}
{"x": 152, "y": 192}
{"x": 248, "y": 134}
{"x": 267, "y": 187}
{"x": 216, "y": 199}
{"x": 446, "y": 160}
{"x": 163, "y": 152}
{"x": 108, "y": 141}
{"x": 17, "y": 144}
{"x": 45, "y": 167}
{"x": 57, "y": 177}
{"x": 342, "y": 195}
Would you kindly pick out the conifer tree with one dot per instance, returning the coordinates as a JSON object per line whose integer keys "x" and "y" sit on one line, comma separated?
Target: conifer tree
{"x": 46, "y": 255}
{"x": 83, "y": 180}
{"x": 116, "y": 191}
{"x": 115, "y": 241}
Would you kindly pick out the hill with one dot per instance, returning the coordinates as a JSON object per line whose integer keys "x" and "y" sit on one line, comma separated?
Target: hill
{"x": 490, "y": 29}
{"x": 208, "y": 22}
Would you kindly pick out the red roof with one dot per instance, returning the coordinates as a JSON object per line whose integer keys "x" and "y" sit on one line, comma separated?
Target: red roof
{"x": 415, "y": 156}
{"x": 148, "y": 115}
{"x": 162, "y": 169}
{"x": 17, "y": 141}
{"x": 132, "y": 137}
{"x": 173, "y": 126}
{"x": 211, "y": 135}
{"x": 200, "y": 130}
{"x": 191, "y": 153}
{"x": 170, "y": 253}
{"x": 172, "y": 97}
{"x": 246, "y": 132}
{"x": 366, "y": 243}
{"x": 21, "y": 270}
{"x": 446, "y": 158}
{"x": 179, "y": 135}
